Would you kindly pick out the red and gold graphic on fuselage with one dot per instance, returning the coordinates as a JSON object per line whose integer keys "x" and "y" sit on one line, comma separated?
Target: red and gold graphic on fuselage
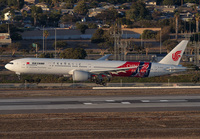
{"x": 137, "y": 69}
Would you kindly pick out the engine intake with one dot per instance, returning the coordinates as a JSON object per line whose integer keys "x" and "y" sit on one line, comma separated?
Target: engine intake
{"x": 79, "y": 75}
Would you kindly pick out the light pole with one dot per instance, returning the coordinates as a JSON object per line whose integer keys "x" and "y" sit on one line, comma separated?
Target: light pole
{"x": 36, "y": 50}
{"x": 43, "y": 39}
{"x": 8, "y": 29}
{"x": 160, "y": 41}
{"x": 55, "y": 42}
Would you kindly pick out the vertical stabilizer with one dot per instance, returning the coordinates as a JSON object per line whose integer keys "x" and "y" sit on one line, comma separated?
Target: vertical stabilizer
{"x": 174, "y": 57}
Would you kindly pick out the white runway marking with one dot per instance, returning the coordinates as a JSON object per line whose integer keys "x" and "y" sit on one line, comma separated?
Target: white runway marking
{"x": 87, "y": 103}
{"x": 125, "y": 102}
{"x": 145, "y": 101}
{"x": 177, "y": 100}
{"x": 110, "y": 100}
{"x": 164, "y": 100}
{"x": 152, "y": 87}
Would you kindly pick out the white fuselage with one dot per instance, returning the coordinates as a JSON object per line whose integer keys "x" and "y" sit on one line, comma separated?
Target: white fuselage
{"x": 67, "y": 66}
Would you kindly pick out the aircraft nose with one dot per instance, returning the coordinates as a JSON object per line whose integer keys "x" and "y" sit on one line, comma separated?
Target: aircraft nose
{"x": 7, "y": 66}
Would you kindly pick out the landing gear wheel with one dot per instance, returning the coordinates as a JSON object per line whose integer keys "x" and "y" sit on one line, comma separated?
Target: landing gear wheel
{"x": 104, "y": 84}
{"x": 97, "y": 82}
{"x": 99, "y": 79}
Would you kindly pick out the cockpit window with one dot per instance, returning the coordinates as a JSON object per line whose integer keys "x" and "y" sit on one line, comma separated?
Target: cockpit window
{"x": 11, "y": 63}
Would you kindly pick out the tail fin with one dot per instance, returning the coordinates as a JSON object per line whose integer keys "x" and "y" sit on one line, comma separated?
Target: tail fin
{"x": 174, "y": 57}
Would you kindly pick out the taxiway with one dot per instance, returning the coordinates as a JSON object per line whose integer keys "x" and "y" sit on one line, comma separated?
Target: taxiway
{"x": 100, "y": 104}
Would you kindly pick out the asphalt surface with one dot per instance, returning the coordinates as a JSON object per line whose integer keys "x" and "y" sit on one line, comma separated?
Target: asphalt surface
{"x": 100, "y": 104}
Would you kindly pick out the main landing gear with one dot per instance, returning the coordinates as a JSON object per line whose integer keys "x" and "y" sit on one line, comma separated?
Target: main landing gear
{"x": 101, "y": 82}
{"x": 101, "y": 79}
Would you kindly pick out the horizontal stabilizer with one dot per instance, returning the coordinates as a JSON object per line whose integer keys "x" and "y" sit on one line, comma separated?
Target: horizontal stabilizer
{"x": 176, "y": 69}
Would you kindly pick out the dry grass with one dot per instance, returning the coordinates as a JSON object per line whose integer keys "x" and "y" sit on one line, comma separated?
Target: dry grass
{"x": 102, "y": 125}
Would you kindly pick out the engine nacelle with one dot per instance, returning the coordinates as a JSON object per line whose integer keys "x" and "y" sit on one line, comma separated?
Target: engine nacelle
{"x": 79, "y": 75}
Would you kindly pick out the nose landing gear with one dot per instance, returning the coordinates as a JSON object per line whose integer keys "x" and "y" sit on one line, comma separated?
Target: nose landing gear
{"x": 18, "y": 75}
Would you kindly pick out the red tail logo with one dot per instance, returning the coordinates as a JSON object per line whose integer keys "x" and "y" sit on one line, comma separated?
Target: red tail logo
{"x": 176, "y": 56}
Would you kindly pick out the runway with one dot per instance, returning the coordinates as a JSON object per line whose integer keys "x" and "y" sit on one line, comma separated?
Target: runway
{"x": 100, "y": 104}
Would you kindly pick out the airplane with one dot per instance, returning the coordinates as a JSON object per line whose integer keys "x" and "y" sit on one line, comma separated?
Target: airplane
{"x": 100, "y": 70}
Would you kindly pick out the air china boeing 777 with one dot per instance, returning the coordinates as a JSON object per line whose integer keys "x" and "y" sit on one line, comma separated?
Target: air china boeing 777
{"x": 99, "y": 70}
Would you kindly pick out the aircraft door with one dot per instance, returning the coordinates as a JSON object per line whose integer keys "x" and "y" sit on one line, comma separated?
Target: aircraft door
{"x": 89, "y": 67}
{"x": 49, "y": 65}
{"x": 23, "y": 65}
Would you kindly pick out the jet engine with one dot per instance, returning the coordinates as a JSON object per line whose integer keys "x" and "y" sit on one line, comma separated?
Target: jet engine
{"x": 79, "y": 75}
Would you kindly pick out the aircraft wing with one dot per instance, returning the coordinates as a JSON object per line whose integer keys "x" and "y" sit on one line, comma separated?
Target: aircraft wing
{"x": 104, "y": 57}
